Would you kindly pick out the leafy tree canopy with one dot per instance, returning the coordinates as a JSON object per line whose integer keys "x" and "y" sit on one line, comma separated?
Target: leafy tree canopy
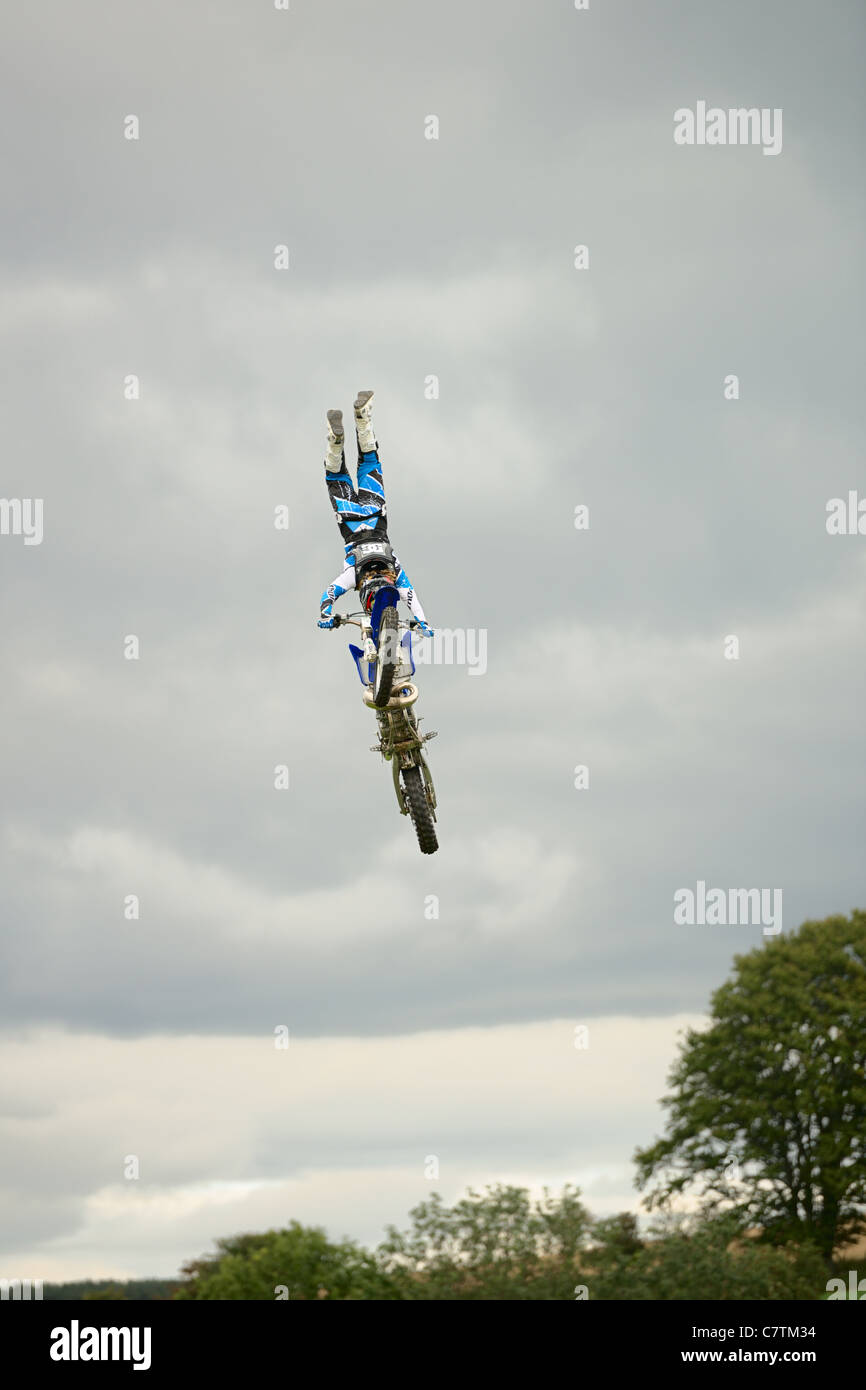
{"x": 767, "y": 1110}
{"x": 496, "y": 1244}
{"x": 298, "y": 1262}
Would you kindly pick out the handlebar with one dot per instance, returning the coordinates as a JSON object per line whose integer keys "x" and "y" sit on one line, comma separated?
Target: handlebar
{"x": 352, "y": 620}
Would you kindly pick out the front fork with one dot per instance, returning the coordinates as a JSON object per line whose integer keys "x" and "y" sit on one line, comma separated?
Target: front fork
{"x": 370, "y": 653}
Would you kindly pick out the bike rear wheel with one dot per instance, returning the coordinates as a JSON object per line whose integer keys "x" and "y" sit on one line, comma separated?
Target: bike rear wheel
{"x": 419, "y": 810}
{"x": 388, "y": 655}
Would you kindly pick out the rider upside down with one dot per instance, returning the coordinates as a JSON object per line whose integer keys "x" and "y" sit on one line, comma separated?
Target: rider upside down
{"x": 362, "y": 514}
{"x": 374, "y": 571}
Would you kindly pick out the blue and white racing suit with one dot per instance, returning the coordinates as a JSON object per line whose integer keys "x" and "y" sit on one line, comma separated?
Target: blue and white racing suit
{"x": 362, "y": 516}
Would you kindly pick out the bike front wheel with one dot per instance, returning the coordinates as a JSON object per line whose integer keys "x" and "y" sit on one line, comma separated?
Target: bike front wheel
{"x": 419, "y": 809}
{"x": 387, "y": 657}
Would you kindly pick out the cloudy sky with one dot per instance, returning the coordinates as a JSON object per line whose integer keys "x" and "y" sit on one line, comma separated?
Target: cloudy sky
{"x": 409, "y": 258}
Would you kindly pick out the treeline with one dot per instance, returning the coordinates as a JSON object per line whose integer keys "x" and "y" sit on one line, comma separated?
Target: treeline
{"x": 501, "y": 1245}
{"x": 497, "y": 1245}
{"x": 139, "y": 1290}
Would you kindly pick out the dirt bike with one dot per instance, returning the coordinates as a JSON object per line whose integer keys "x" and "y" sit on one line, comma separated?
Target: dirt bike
{"x": 385, "y": 665}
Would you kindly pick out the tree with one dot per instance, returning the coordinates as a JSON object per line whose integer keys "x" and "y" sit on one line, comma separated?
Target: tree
{"x": 699, "y": 1261}
{"x": 767, "y": 1114}
{"x": 298, "y": 1262}
{"x": 498, "y": 1244}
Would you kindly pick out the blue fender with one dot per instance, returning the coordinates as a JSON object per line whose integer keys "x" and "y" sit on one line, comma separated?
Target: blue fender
{"x": 358, "y": 654}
